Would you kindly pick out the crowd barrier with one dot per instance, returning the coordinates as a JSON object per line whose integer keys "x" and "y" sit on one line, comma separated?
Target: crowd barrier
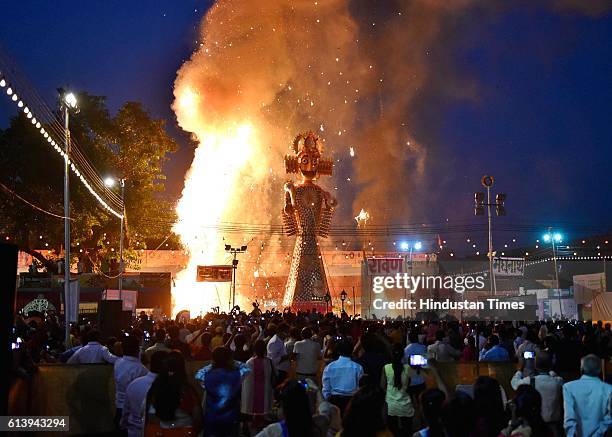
{"x": 86, "y": 392}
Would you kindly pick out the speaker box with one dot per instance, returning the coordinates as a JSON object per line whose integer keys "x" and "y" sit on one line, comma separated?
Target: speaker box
{"x": 110, "y": 317}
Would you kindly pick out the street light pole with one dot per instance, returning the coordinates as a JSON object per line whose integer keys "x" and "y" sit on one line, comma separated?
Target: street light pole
{"x": 66, "y": 220}
{"x": 234, "y": 251}
{"x": 491, "y": 273}
{"x": 555, "y": 237}
{"x": 121, "y": 239}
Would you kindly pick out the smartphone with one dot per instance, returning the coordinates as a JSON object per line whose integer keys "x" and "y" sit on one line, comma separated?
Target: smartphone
{"x": 528, "y": 355}
{"x": 16, "y": 344}
{"x": 418, "y": 360}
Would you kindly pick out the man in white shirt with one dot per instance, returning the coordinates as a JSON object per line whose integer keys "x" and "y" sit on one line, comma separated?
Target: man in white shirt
{"x": 587, "y": 402}
{"x": 341, "y": 377}
{"x": 132, "y": 418}
{"x": 93, "y": 352}
{"x": 277, "y": 352}
{"x": 127, "y": 369}
{"x": 307, "y": 353}
{"x": 441, "y": 351}
{"x": 160, "y": 344}
{"x": 548, "y": 384}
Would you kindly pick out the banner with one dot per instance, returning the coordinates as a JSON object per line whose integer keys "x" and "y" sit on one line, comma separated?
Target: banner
{"x": 214, "y": 274}
{"x": 508, "y": 266}
{"x": 384, "y": 266}
{"x": 129, "y": 297}
{"x": 586, "y": 287}
{"x": 343, "y": 257}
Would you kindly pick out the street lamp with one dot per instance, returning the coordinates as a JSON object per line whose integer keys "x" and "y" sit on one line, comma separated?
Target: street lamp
{"x": 342, "y": 299}
{"x": 553, "y": 238}
{"x": 68, "y": 102}
{"x": 110, "y": 182}
{"x": 234, "y": 251}
{"x": 406, "y": 246}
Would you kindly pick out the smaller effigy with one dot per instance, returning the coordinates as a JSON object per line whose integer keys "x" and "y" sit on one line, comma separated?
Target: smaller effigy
{"x": 307, "y": 214}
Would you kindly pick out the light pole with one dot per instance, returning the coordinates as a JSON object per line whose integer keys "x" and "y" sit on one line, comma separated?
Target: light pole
{"x": 404, "y": 245}
{"x": 234, "y": 251}
{"x": 68, "y": 102}
{"x": 342, "y": 299}
{"x": 555, "y": 238}
{"x": 110, "y": 182}
{"x": 500, "y": 209}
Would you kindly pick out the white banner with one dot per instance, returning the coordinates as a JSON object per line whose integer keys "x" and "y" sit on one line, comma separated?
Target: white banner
{"x": 72, "y": 308}
{"x": 129, "y": 297}
{"x": 508, "y": 266}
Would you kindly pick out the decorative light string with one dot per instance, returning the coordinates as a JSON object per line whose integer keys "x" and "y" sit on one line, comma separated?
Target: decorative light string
{"x": 14, "y": 97}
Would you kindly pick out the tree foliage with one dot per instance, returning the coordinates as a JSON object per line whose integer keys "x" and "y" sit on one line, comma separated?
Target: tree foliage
{"x": 129, "y": 145}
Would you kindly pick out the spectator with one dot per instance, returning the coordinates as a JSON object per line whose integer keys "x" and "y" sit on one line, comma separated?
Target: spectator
{"x": 93, "y": 352}
{"x": 374, "y": 356}
{"x": 127, "y": 369}
{"x": 469, "y": 353}
{"x": 548, "y": 384}
{"x": 258, "y": 385}
{"x": 341, "y": 377}
{"x": 159, "y": 345}
{"x": 442, "y": 351}
{"x": 222, "y": 384}
{"x": 432, "y": 401}
{"x": 294, "y": 336}
{"x": 365, "y": 414}
{"x": 587, "y": 401}
{"x": 307, "y": 353}
{"x": 175, "y": 342}
{"x": 493, "y": 351}
{"x": 132, "y": 418}
{"x": 278, "y": 352}
{"x": 529, "y": 345}
{"x": 489, "y": 407}
{"x": 417, "y": 380}
{"x": 217, "y": 340}
{"x": 202, "y": 351}
{"x": 297, "y": 415}
{"x": 458, "y": 417}
{"x": 395, "y": 382}
{"x": 526, "y": 421}
{"x": 172, "y": 402}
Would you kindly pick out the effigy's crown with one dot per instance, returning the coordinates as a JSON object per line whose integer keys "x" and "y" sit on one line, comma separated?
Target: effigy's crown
{"x": 310, "y": 144}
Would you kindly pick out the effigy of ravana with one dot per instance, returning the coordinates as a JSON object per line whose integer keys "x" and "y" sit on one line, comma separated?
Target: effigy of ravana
{"x": 307, "y": 214}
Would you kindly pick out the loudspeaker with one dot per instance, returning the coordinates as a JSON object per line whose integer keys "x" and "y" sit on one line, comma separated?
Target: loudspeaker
{"x": 110, "y": 318}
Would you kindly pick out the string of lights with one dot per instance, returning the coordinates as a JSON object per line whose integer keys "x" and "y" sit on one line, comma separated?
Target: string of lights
{"x": 51, "y": 130}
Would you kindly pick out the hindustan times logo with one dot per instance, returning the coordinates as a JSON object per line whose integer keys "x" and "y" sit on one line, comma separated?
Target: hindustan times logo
{"x": 411, "y": 283}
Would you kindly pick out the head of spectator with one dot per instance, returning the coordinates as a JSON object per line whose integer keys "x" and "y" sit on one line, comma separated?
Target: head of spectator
{"x": 239, "y": 341}
{"x": 174, "y": 332}
{"x": 344, "y": 348}
{"x": 492, "y": 341}
{"x": 413, "y": 336}
{"x": 222, "y": 358}
{"x": 527, "y": 405}
{"x": 306, "y": 333}
{"x": 471, "y": 342}
{"x": 160, "y": 335}
{"x": 93, "y": 336}
{"x": 294, "y": 333}
{"x": 130, "y": 346}
{"x": 259, "y": 348}
{"x": 296, "y": 409}
{"x": 283, "y": 331}
{"x": 157, "y": 361}
{"x": 365, "y": 413}
{"x": 432, "y": 401}
{"x": 489, "y": 404}
{"x": 458, "y": 415}
{"x": 440, "y": 335}
{"x": 166, "y": 391}
{"x": 218, "y": 331}
{"x": 531, "y": 337}
{"x": 543, "y": 362}
{"x": 206, "y": 338}
{"x": 590, "y": 365}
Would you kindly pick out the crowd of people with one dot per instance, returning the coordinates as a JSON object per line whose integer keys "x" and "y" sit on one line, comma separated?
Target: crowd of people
{"x": 312, "y": 374}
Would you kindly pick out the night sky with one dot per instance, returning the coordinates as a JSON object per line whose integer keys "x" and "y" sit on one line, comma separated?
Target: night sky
{"x": 540, "y": 122}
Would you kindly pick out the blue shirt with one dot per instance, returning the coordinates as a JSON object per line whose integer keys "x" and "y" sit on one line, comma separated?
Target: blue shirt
{"x": 223, "y": 390}
{"x": 587, "y": 407}
{"x": 415, "y": 349}
{"x": 341, "y": 377}
{"x": 496, "y": 353}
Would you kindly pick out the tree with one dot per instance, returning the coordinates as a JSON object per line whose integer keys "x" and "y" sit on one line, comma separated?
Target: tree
{"x": 130, "y": 145}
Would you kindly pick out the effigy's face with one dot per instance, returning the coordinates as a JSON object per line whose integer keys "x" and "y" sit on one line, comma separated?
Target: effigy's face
{"x": 308, "y": 162}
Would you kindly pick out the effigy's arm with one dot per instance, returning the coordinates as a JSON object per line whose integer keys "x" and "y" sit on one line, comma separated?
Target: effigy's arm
{"x": 289, "y": 221}
{"x": 327, "y": 214}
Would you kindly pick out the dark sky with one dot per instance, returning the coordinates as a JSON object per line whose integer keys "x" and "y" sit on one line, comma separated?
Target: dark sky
{"x": 541, "y": 122}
